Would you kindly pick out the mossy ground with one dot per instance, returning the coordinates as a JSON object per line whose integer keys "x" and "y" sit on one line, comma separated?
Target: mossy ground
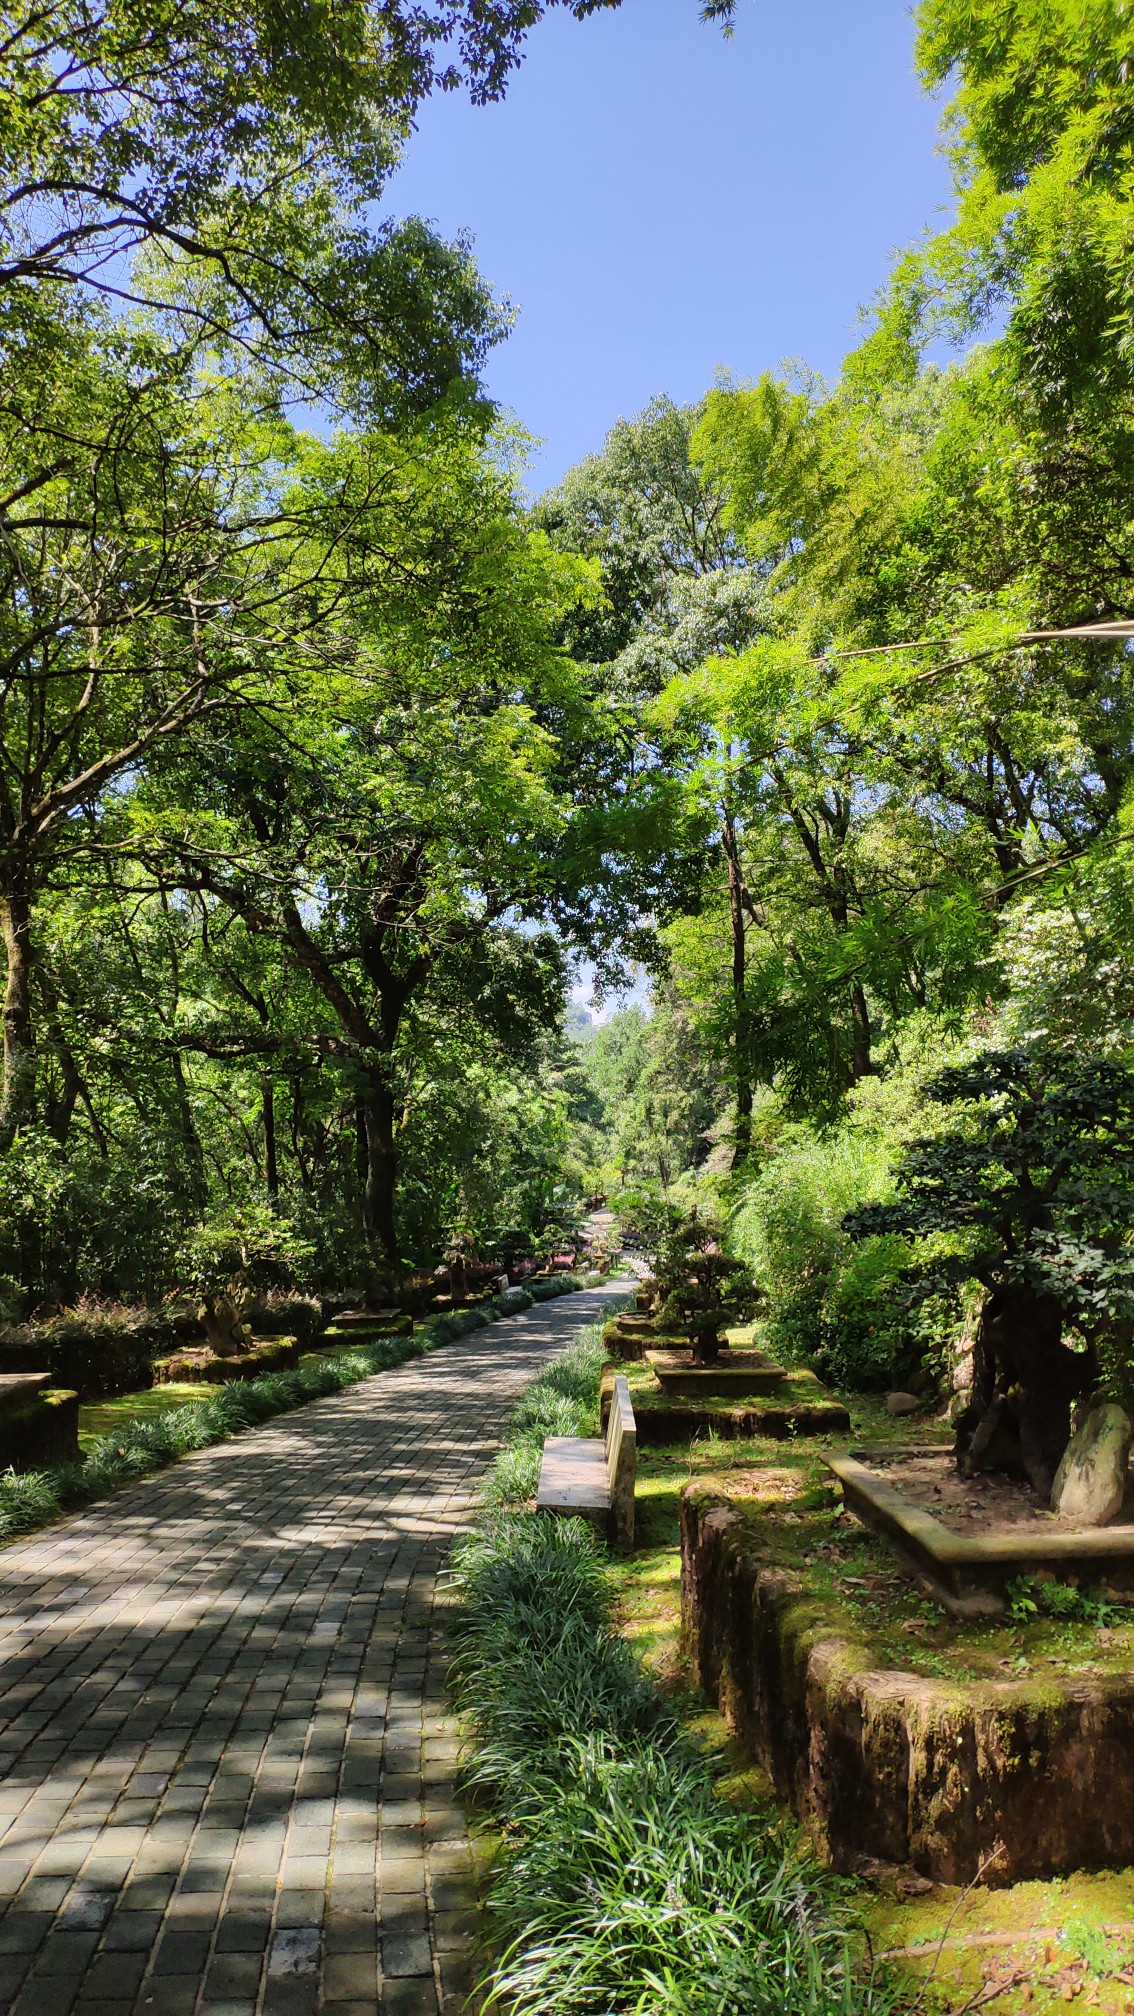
{"x": 1057, "y": 1942}
{"x": 109, "y": 1417}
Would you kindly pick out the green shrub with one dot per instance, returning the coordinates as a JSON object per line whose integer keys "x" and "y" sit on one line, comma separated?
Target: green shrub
{"x": 554, "y": 1285}
{"x": 97, "y": 1349}
{"x": 289, "y": 1316}
{"x": 843, "y": 1307}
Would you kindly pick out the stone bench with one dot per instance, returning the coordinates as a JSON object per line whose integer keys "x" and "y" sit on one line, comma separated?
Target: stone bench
{"x": 594, "y": 1478}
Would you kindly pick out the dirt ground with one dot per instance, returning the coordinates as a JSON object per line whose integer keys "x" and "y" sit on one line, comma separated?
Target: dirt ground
{"x": 974, "y": 1505}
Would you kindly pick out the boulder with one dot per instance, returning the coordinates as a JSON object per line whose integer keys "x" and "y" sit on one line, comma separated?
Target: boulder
{"x": 1090, "y": 1483}
{"x": 902, "y": 1403}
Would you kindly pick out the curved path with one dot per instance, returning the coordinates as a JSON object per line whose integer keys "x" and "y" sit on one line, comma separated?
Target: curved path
{"x": 226, "y": 1770}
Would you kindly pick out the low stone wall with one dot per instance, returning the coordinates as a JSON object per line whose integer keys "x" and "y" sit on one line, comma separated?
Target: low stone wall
{"x": 888, "y": 1764}
{"x": 41, "y": 1430}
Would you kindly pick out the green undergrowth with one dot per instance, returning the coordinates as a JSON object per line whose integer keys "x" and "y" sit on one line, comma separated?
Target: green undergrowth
{"x": 100, "y": 1418}
{"x": 156, "y": 1436}
{"x": 625, "y": 1880}
{"x": 1036, "y": 1947}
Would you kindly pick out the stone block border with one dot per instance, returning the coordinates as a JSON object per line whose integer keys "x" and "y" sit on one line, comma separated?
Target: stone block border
{"x": 968, "y": 1573}
{"x": 1023, "y": 1778}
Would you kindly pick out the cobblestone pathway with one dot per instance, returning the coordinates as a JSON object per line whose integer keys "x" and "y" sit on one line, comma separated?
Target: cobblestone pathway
{"x": 226, "y": 1772}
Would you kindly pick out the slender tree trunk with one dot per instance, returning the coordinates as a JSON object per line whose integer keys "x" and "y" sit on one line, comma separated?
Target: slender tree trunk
{"x": 361, "y": 1152}
{"x": 295, "y": 1123}
{"x": 271, "y": 1164}
{"x": 197, "y": 1181}
{"x": 861, "y": 1061}
{"x": 742, "y": 1136}
{"x": 381, "y": 1169}
{"x": 17, "y": 1086}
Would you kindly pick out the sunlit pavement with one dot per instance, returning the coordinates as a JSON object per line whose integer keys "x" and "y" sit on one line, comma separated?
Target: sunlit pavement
{"x": 226, "y": 1766}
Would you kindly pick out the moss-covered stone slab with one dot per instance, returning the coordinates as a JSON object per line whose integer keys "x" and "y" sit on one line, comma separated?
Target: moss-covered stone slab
{"x": 361, "y": 1325}
{"x": 17, "y": 1389}
{"x": 627, "y": 1338}
{"x": 966, "y": 1573}
{"x": 366, "y": 1330}
{"x": 1018, "y": 1778}
{"x": 199, "y": 1363}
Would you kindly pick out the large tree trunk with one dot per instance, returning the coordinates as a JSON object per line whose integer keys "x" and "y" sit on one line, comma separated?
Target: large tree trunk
{"x": 381, "y": 1169}
{"x": 17, "y": 1086}
{"x": 1025, "y": 1381}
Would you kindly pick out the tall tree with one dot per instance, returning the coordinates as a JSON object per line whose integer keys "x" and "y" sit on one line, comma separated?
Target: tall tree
{"x": 390, "y": 834}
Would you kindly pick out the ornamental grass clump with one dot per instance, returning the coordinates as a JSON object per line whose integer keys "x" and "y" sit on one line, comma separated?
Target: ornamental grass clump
{"x": 624, "y": 1881}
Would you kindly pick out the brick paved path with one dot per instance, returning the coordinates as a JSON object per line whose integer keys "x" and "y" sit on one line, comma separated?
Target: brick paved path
{"x": 226, "y": 1772}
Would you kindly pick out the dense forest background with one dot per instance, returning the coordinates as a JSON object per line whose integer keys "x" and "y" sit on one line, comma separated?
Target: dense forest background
{"x": 326, "y": 755}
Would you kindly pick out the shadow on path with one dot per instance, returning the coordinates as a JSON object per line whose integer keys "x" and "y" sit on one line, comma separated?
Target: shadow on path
{"x": 226, "y": 1769}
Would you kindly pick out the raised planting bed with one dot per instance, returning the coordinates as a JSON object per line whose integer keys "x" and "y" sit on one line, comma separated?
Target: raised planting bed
{"x": 358, "y": 1326}
{"x": 735, "y": 1374}
{"x": 796, "y": 1405}
{"x": 628, "y": 1336}
{"x": 199, "y": 1362}
{"x": 897, "y": 1733}
{"x": 969, "y": 1538}
{"x": 39, "y": 1422}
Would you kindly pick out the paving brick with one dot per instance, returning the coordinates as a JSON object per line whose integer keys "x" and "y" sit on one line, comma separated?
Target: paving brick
{"x": 182, "y": 1953}
{"x": 245, "y": 1931}
{"x": 172, "y": 1995}
{"x": 68, "y": 1953}
{"x": 414, "y": 1996}
{"x": 233, "y": 1975}
{"x": 350, "y": 1977}
{"x": 46, "y": 1995}
{"x": 406, "y": 1953}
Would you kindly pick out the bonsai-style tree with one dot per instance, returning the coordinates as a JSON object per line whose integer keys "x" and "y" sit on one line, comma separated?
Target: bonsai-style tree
{"x": 1029, "y": 1191}
{"x": 700, "y": 1287}
{"x": 232, "y": 1262}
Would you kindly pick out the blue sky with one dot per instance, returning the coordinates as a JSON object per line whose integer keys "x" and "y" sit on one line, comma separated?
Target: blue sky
{"x": 657, "y": 201}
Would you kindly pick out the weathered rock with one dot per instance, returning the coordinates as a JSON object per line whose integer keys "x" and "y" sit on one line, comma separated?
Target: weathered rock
{"x": 1090, "y": 1483}
{"x": 962, "y": 1374}
{"x": 902, "y": 1403}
